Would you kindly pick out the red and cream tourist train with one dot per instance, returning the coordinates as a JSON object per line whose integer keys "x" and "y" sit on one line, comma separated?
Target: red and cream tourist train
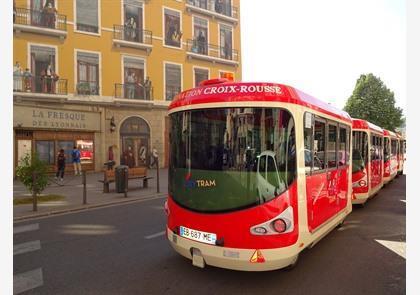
{"x": 260, "y": 171}
{"x": 391, "y": 147}
{"x": 257, "y": 173}
{"x": 367, "y": 160}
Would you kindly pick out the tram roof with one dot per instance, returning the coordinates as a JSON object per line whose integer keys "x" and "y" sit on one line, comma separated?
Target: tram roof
{"x": 389, "y": 133}
{"x": 363, "y": 124}
{"x": 223, "y": 91}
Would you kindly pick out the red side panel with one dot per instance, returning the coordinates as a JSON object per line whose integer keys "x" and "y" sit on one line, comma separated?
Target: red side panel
{"x": 387, "y": 172}
{"x": 234, "y": 227}
{"x": 321, "y": 204}
{"x": 376, "y": 173}
{"x": 343, "y": 177}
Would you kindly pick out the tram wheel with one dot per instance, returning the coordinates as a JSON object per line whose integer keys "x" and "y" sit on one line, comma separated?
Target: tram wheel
{"x": 293, "y": 264}
{"x": 340, "y": 224}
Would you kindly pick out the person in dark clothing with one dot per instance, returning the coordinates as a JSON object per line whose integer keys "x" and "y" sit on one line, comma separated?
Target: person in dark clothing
{"x": 61, "y": 164}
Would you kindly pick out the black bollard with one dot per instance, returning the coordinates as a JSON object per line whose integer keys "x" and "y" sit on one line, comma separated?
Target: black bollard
{"x": 84, "y": 187}
{"x": 34, "y": 196}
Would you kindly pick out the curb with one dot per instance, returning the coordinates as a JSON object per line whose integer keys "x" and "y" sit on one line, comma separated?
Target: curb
{"x": 89, "y": 206}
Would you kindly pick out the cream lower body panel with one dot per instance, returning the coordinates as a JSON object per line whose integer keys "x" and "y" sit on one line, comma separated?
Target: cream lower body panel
{"x": 361, "y": 198}
{"x": 389, "y": 178}
{"x": 216, "y": 255}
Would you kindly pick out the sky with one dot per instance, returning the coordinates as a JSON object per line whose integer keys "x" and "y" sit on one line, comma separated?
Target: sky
{"x": 322, "y": 47}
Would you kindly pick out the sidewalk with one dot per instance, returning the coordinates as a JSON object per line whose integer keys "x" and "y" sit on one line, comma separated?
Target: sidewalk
{"x": 72, "y": 191}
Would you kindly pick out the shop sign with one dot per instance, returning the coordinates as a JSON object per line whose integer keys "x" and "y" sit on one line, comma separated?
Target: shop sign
{"x": 44, "y": 118}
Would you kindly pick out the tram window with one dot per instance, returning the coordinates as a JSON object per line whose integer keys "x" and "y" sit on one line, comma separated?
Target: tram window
{"x": 372, "y": 148}
{"x": 342, "y": 148}
{"x": 386, "y": 149}
{"x": 393, "y": 147}
{"x": 319, "y": 145}
{"x": 308, "y": 141}
{"x": 332, "y": 146}
{"x": 272, "y": 172}
{"x": 348, "y": 146}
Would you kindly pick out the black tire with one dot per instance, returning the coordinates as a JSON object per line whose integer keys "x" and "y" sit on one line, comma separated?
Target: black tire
{"x": 293, "y": 264}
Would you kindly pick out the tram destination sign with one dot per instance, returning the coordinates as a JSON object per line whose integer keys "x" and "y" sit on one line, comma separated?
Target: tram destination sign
{"x": 46, "y": 118}
{"x": 232, "y": 89}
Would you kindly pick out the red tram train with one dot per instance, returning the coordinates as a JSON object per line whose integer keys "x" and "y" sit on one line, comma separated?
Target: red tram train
{"x": 260, "y": 171}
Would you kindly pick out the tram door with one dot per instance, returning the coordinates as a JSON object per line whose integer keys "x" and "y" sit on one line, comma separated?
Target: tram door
{"x": 321, "y": 182}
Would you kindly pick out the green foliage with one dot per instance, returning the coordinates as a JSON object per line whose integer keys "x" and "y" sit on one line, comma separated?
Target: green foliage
{"x": 28, "y": 165}
{"x": 374, "y": 102}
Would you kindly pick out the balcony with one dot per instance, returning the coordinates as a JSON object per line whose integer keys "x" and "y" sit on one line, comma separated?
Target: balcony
{"x": 39, "y": 87}
{"x": 45, "y": 22}
{"x": 133, "y": 91}
{"x": 134, "y": 38}
{"x": 215, "y": 9}
{"x": 171, "y": 92}
{"x": 87, "y": 88}
{"x": 213, "y": 53}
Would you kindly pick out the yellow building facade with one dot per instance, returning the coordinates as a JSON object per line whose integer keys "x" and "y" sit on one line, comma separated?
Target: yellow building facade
{"x": 100, "y": 74}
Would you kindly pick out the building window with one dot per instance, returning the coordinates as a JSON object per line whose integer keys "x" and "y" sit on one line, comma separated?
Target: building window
{"x": 67, "y": 146}
{"x": 200, "y": 75}
{"x": 87, "y": 16}
{"x": 133, "y": 20}
{"x": 42, "y": 69}
{"x": 223, "y": 7}
{"x": 43, "y": 13}
{"x": 172, "y": 80}
{"x": 45, "y": 151}
{"x": 86, "y": 151}
{"x": 133, "y": 78}
{"x": 173, "y": 32}
{"x": 225, "y": 42}
{"x": 200, "y": 36}
{"x": 87, "y": 73}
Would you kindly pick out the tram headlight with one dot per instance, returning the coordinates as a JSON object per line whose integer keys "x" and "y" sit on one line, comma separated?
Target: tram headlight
{"x": 260, "y": 230}
{"x": 279, "y": 225}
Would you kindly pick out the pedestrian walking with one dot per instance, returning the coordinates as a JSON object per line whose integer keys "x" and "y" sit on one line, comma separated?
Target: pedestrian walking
{"x": 76, "y": 161}
{"x": 61, "y": 164}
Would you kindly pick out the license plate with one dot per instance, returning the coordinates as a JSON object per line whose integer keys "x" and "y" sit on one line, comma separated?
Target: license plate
{"x": 197, "y": 235}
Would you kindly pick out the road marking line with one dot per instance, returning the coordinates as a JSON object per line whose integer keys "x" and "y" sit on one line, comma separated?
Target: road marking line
{"x": 26, "y": 247}
{"x": 397, "y": 247}
{"x": 28, "y": 280}
{"x": 403, "y": 201}
{"x": 155, "y": 235}
{"x": 25, "y": 228}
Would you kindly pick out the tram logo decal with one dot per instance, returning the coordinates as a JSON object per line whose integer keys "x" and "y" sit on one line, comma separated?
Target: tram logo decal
{"x": 193, "y": 183}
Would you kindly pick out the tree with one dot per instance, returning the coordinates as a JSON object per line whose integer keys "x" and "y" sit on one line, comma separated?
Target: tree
{"x": 374, "y": 102}
{"x": 30, "y": 167}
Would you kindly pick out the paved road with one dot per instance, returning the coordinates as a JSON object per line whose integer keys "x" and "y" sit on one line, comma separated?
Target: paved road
{"x": 122, "y": 250}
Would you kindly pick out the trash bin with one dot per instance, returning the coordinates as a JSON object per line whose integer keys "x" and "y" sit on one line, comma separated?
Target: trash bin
{"x": 121, "y": 178}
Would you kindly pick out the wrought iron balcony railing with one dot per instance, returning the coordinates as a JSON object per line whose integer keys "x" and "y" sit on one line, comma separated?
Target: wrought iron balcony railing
{"x": 133, "y": 91}
{"x": 39, "y": 84}
{"x": 171, "y": 92}
{"x": 222, "y": 7}
{"x": 87, "y": 88}
{"x": 46, "y": 18}
{"x": 126, "y": 33}
{"x": 203, "y": 48}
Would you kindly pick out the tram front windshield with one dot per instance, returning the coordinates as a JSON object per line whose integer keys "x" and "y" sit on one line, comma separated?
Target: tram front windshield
{"x": 227, "y": 159}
